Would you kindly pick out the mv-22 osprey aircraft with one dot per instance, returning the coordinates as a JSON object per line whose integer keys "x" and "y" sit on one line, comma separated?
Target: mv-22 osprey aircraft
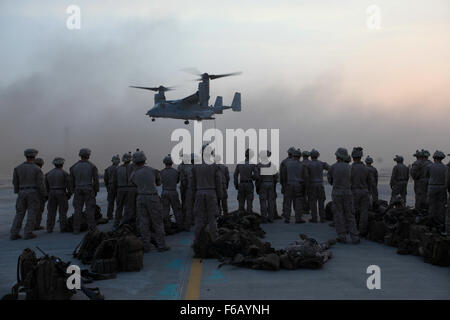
{"x": 193, "y": 107}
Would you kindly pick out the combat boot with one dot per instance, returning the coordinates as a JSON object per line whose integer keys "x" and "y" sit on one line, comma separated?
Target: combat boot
{"x": 162, "y": 249}
{"x": 30, "y": 236}
{"x": 300, "y": 221}
{"x": 15, "y": 237}
{"x": 341, "y": 239}
{"x": 38, "y": 228}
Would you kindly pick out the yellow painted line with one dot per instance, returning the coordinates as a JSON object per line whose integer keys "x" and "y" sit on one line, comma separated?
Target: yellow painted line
{"x": 195, "y": 279}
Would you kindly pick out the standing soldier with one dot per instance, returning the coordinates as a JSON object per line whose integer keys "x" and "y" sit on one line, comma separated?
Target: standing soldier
{"x": 447, "y": 218}
{"x": 295, "y": 174}
{"x": 437, "y": 187}
{"x": 169, "y": 196}
{"x": 418, "y": 172}
{"x": 399, "y": 179}
{"x": 207, "y": 186}
{"x": 186, "y": 185}
{"x": 28, "y": 181}
{"x": 373, "y": 188}
{"x": 306, "y": 162}
{"x": 290, "y": 153}
{"x": 122, "y": 188}
{"x": 244, "y": 174}
{"x": 185, "y": 160}
{"x": 339, "y": 176}
{"x": 360, "y": 182}
{"x": 84, "y": 178}
{"x": 108, "y": 179}
{"x": 265, "y": 187}
{"x": 149, "y": 209}
{"x": 40, "y": 163}
{"x": 59, "y": 189}
{"x": 317, "y": 191}
{"x": 223, "y": 202}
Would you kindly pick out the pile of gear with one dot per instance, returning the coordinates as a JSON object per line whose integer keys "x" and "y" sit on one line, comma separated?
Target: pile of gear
{"x": 45, "y": 278}
{"x": 84, "y": 225}
{"x": 238, "y": 243}
{"x": 111, "y": 252}
{"x": 410, "y": 232}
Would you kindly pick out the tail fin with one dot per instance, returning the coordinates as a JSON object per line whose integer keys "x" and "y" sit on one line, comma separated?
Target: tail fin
{"x": 218, "y": 105}
{"x": 236, "y": 104}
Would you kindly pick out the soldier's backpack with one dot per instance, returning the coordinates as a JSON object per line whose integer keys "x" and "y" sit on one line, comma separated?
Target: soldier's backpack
{"x": 40, "y": 279}
{"x": 86, "y": 248}
{"x": 84, "y": 225}
{"x": 105, "y": 257}
{"x": 130, "y": 253}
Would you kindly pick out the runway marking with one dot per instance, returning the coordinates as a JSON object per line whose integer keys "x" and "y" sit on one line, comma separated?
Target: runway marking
{"x": 195, "y": 279}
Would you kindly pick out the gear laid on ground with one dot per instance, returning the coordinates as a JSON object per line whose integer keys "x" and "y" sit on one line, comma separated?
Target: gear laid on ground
{"x": 239, "y": 244}
{"x": 84, "y": 225}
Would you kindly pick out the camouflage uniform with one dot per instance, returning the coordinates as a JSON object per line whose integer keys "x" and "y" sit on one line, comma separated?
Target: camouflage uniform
{"x": 149, "y": 207}
{"x": 223, "y": 202}
{"x": 418, "y": 172}
{"x": 295, "y": 174}
{"x": 306, "y": 199}
{"x": 28, "y": 181}
{"x": 186, "y": 185}
{"x": 360, "y": 182}
{"x": 84, "y": 178}
{"x": 447, "y": 218}
{"x": 373, "y": 187}
{"x": 207, "y": 185}
{"x": 108, "y": 179}
{"x": 399, "y": 180}
{"x": 125, "y": 191}
{"x": 282, "y": 181}
{"x": 437, "y": 190}
{"x": 244, "y": 174}
{"x": 169, "y": 196}
{"x": 317, "y": 190}
{"x": 42, "y": 200}
{"x": 59, "y": 189}
{"x": 339, "y": 176}
{"x": 266, "y": 191}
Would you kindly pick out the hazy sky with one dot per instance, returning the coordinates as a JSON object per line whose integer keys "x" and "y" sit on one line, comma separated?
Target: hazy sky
{"x": 310, "y": 68}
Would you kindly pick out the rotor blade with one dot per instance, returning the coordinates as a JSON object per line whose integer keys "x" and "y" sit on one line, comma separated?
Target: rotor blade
{"x": 160, "y": 88}
{"x": 145, "y": 88}
{"x": 216, "y": 76}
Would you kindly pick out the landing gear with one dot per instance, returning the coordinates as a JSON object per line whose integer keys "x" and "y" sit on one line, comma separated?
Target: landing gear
{"x": 186, "y": 121}
{"x": 153, "y": 119}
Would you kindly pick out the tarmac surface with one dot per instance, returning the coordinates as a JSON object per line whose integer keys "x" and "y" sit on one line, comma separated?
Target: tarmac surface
{"x": 176, "y": 275}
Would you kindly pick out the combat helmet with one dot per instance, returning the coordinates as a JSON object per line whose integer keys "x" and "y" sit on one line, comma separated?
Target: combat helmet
{"x": 357, "y": 152}
{"x": 139, "y": 156}
{"x": 85, "y": 152}
{"x": 30, "y": 153}
{"x": 314, "y": 153}
{"x": 58, "y": 161}
{"x": 168, "y": 160}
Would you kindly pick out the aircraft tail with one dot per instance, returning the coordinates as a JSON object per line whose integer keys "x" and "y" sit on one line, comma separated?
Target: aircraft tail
{"x": 236, "y": 104}
{"x": 218, "y": 105}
